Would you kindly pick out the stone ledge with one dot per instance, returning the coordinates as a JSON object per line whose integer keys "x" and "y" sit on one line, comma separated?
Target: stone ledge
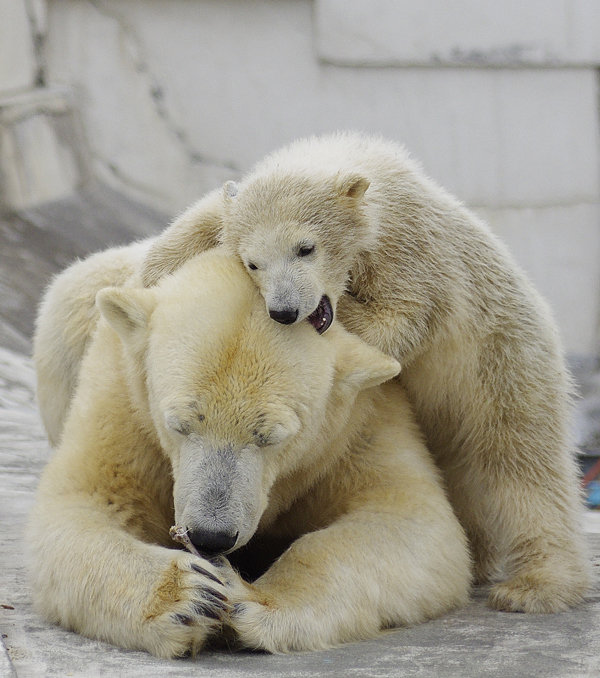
{"x": 16, "y": 106}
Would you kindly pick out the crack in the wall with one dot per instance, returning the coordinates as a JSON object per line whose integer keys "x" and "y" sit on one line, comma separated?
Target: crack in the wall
{"x": 36, "y": 15}
{"x": 156, "y": 91}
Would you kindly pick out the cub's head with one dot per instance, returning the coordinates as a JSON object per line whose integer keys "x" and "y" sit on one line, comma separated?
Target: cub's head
{"x": 298, "y": 237}
{"x": 236, "y": 400}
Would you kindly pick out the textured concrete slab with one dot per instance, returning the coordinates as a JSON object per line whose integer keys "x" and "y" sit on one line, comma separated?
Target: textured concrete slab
{"x": 496, "y": 137}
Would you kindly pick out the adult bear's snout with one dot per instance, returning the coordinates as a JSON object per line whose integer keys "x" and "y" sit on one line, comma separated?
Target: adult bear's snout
{"x": 218, "y": 493}
{"x": 212, "y": 542}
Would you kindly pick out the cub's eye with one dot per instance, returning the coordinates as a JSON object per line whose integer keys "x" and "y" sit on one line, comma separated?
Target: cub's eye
{"x": 252, "y": 267}
{"x": 305, "y": 250}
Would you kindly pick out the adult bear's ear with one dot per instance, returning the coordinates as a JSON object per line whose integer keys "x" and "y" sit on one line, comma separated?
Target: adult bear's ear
{"x": 351, "y": 186}
{"x": 127, "y": 310}
{"x": 362, "y": 366}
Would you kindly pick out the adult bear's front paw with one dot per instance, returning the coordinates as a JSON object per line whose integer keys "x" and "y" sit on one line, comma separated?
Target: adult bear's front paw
{"x": 255, "y": 626}
{"x": 265, "y": 626}
{"x": 188, "y": 605}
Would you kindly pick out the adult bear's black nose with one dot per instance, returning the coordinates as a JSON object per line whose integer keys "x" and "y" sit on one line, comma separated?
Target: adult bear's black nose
{"x": 212, "y": 542}
{"x": 285, "y": 317}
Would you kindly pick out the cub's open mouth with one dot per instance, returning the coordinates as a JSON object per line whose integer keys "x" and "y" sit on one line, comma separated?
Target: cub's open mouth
{"x": 322, "y": 317}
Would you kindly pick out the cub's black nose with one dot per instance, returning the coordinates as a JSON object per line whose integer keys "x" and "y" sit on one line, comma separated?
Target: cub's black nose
{"x": 207, "y": 541}
{"x": 285, "y": 317}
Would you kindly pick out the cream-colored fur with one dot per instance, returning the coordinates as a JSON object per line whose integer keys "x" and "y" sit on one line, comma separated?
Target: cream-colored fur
{"x": 193, "y": 408}
{"x": 66, "y": 321}
{"x": 412, "y": 271}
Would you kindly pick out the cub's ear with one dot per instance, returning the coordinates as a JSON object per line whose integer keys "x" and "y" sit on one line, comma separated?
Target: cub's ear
{"x": 127, "y": 310}
{"x": 352, "y": 186}
{"x": 363, "y": 366}
{"x": 230, "y": 190}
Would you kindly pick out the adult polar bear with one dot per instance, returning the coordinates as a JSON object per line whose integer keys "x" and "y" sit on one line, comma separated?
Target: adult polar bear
{"x": 192, "y": 407}
{"x": 350, "y": 224}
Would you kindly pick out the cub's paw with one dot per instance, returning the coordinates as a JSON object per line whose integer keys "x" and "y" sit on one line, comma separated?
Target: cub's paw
{"x": 536, "y": 594}
{"x": 186, "y": 607}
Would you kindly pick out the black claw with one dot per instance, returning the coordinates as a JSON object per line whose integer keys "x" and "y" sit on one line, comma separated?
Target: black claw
{"x": 206, "y": 611}
{"x": 209, "y": 601}
{"x": 217, "y": 561}
{"x": 215, "y": 594}
{"x": 183, "y": 619}
{"x": 206, "y": 573}
{"x": 238, "y": 608}
{"x": 217, "y": 605}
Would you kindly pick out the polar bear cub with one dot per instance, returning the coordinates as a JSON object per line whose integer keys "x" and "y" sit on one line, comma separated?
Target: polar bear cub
{"x": 196, "y": 415}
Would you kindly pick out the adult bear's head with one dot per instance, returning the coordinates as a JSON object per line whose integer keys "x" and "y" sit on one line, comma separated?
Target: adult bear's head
{"x": 238, "y": 403}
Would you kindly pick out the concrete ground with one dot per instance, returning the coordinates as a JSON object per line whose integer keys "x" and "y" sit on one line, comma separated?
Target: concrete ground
{"x": 475, "y": 641}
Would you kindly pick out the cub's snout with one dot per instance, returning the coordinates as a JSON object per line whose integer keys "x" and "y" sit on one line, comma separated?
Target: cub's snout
{"x": 286, "y": 316}
{"x": 321, "y": 318}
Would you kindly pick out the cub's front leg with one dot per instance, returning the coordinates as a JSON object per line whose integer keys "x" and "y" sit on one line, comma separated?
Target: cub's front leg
{"x": 92, "y": 577}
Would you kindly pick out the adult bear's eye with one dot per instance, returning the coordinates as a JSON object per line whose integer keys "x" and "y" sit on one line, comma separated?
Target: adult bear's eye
{"x": 176, "y": 424}
{"x": 305, "y": 250}
{"x": 261, "y": 439}
{"x": 252, "y": 267}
